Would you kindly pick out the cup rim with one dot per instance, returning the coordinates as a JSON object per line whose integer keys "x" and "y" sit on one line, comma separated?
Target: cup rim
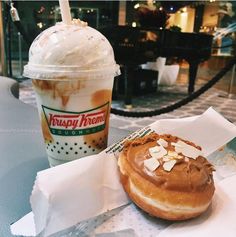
{"x": 64, "y": 72}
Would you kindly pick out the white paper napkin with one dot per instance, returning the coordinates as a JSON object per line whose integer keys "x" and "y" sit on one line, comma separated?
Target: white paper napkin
{"x": 210, "y": 131}
{"x": 73, "y": 192}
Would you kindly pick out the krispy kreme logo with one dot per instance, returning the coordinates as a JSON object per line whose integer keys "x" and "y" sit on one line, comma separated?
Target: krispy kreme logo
{"x": 67, "y": 123}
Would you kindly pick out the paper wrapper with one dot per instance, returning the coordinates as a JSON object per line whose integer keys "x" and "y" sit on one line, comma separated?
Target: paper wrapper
{"x": 68, "y": 194}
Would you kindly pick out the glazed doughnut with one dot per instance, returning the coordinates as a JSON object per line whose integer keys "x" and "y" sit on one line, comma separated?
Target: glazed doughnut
{"x": 166, "y": 176}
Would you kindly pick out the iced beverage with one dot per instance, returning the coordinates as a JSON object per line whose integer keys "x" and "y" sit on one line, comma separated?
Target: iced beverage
{"x": 72, "y": 69}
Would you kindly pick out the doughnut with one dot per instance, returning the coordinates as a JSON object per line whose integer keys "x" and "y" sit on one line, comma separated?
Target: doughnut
{"x": 166, "y": 176}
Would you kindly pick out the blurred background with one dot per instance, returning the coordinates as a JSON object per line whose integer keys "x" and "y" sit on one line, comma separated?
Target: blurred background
{"x": 184, "y": 16}
{"x": 170, "y": 41}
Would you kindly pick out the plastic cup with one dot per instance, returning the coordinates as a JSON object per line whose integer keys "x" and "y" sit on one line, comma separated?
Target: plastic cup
{"x": 73, "y": 100}
{"x": 75, "y": 123}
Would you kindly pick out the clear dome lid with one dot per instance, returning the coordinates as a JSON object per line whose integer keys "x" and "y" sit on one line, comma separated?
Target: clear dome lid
{"x": 70, "y": 51}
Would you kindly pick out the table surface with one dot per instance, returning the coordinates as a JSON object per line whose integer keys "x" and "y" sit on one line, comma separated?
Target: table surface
{"x": 22, "y": 155}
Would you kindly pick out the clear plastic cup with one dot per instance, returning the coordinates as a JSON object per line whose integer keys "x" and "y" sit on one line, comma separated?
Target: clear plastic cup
{"x": 73, "y": 92}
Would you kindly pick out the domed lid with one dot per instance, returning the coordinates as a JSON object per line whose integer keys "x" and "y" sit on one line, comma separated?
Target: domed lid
{"x": 70, "y": 51}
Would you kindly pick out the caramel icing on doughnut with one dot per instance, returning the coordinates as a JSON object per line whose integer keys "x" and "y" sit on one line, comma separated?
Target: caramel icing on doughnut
{"x": 186, "y": 175}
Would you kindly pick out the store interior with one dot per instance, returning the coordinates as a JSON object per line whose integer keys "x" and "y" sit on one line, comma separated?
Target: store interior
{"x": 202, "y": 34}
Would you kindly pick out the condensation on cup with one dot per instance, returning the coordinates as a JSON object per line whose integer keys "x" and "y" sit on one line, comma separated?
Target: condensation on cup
{"x": 72, "y": 68}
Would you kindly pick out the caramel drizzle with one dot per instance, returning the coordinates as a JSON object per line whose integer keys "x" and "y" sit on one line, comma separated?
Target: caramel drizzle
{"x": 59, "y": 89}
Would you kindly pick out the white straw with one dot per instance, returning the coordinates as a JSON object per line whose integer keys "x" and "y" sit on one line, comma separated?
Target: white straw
{"x": 65, "y": 11}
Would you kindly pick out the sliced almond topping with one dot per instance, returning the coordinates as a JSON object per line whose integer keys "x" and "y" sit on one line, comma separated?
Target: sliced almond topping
{"x": 188, "y": 150}
{"x": 176, "y": 144}
{"x": 157, "y": 151}
{"x": 179, "y": 157}
{"x": 172, "y": 153}
{"x": 154, "y": 149}
{"x": 166, "y": 158}
{"x": 186, "y": 159}
{"x": 167, "y": 166}
{"x": 162, "y": 142}
{"x": 151, "y": 164}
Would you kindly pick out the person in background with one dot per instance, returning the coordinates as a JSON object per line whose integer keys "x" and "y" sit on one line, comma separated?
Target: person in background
{"x": 225, "y": 15}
